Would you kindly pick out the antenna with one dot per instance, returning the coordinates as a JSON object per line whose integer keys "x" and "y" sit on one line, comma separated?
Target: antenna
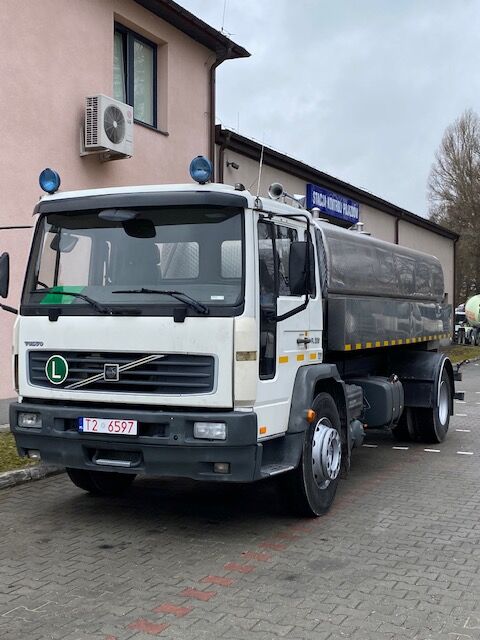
{"x": 260, "y": 166}
{"x": 223, "y": 17}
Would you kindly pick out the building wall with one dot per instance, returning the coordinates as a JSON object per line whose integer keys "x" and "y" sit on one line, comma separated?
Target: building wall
{"x": 53, "y": 53}
{"x": 378, "y": 223}
{"x": 247, "y": 174}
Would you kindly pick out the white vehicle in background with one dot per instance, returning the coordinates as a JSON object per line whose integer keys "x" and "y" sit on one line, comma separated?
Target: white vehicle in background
{"x": 472, "y": 313}
{"x": 199, "y": 331}
{"x": 467, "y": 322}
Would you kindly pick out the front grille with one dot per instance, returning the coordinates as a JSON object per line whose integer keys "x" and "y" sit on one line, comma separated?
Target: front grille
{"x": 140, "y": 373}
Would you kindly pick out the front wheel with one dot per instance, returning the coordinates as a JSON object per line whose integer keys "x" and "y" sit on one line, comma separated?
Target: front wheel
{"x": 100, "y": 483}
{"x": 310, "y": 488}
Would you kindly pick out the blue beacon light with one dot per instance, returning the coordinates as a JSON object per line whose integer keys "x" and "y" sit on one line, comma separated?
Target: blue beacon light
{"x": 49, "y": 180}
{"x": 201, "y": 169}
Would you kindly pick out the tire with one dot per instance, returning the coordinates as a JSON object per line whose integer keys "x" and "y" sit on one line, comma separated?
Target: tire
{"x": 100, "y": 483}
{"x": 432, "y": 424}
{"x": 477, "y": 338}
{"x": 404, "y": 431}
{"x": 307, "y": 492}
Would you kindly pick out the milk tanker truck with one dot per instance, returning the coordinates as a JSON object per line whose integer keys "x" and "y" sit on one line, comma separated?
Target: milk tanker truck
{"x": 199, "y": 331}
{"x": 472, "y": 314}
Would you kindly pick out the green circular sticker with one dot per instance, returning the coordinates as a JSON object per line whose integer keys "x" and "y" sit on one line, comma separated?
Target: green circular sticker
{"x": 56, "y": 369}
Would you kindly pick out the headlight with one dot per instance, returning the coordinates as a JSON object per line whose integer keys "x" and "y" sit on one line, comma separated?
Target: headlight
{"x": 210, "y": 430}
{"x": 29, "y": 420}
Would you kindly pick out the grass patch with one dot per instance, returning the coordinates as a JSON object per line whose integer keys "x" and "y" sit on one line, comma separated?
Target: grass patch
{"x": 9, "y": 459}
{"x": 459, "y": 352}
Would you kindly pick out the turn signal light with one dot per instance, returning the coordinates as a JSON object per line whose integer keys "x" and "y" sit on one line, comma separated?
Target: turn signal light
{"x": 310, "y": 415}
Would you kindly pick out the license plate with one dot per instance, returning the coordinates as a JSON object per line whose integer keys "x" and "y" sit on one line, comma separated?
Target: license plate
{"x": 106, "y": 425}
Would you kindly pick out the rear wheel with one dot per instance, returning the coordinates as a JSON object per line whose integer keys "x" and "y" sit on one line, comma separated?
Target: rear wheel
{"x": 432, "y": 424}
{"x": 310, "y": 488}
{"x": 100, "y": 483}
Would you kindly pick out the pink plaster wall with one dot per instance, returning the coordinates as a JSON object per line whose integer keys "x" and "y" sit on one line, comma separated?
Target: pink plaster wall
{"x": 53, "y": 53}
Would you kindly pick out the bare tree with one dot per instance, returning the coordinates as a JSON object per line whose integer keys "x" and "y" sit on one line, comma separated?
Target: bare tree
{"x": 454, "y": 194}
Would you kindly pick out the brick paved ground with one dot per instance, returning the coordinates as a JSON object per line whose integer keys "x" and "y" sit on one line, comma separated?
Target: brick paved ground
{"x": 397, "y": 557}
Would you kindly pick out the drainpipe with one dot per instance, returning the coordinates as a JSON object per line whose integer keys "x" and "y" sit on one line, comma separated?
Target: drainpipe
{"x": 397, "y": 224}
{"x": 221, "y": 157}
{"x": 454, "y": 294}
{"x": 220, "y": 58}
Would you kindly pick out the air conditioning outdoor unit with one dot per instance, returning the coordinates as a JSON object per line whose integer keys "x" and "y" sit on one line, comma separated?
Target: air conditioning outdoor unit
{"x": 108, "y": 127}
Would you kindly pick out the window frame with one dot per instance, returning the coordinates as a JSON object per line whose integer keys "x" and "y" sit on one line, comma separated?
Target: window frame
{"x": 267, "y": 368}
{"x": 129, "y": 36}
{"x": 280, "y": 265}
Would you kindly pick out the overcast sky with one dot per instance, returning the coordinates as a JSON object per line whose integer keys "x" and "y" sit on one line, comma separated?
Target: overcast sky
{"x": 360, "y": 90}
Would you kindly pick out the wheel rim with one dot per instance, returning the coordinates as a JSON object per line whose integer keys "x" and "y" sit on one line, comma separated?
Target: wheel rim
{"x": 326, "y": 453}
{"x": 443, "y": 403}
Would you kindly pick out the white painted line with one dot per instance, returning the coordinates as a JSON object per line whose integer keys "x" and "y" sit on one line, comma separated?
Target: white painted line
{"x": 401, "y": 448}
{"x": 463, "y": 430}
{"x": 432, "y": 450}
{"x": 462, "y": 401}
{"x": 465, "y": 453}
{"x": 477, "y": 391}
{"x": 370, "y": 446}
{"x": 461, "y": 415}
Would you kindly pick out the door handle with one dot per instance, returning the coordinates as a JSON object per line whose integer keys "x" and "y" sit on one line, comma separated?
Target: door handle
{"x": 304, "y": 340}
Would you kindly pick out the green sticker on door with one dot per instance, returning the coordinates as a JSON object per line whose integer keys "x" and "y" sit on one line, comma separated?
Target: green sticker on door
{"x": 56, "y": 369}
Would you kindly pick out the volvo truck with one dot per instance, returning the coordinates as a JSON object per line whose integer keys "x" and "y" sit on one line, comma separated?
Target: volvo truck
{"x": 200, "y": 331}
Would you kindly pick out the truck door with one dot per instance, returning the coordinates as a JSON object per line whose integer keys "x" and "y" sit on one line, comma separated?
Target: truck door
{"x": 283, "y": 346}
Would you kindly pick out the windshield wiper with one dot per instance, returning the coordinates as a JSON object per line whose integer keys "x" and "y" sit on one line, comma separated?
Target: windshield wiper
{"x": 178, "y": 295}
{"x": 101, "y": 308}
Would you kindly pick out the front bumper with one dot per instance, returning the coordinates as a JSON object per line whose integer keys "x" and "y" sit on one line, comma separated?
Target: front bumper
{"x": 165, "y": 445}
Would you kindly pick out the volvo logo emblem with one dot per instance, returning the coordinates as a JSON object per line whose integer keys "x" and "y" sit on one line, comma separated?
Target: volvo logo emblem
{"x": 111, "y": 372}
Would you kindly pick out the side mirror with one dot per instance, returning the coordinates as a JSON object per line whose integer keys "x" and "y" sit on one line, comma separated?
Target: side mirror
{"x": 300, "y": 264}
{"x": 4, "y": 274}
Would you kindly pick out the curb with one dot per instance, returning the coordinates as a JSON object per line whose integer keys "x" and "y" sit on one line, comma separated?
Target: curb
{"x": 4, "y": 428}
{"x": 20, "y": 476}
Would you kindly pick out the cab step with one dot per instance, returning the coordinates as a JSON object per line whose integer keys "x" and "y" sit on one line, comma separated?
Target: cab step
{"x": 274, "y": 469}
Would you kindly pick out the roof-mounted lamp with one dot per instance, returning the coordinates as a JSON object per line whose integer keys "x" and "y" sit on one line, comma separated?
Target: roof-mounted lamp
{"x": 201, "y": 169}
{"x": 49, "y": 180}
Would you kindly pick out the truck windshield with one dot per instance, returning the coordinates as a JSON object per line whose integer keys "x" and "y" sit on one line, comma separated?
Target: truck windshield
{"x": 138, "y": 257}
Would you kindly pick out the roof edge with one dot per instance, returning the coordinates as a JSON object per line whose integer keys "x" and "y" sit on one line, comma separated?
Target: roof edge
{"x": 252, "y": 149}
{"x": 192, "y": 26}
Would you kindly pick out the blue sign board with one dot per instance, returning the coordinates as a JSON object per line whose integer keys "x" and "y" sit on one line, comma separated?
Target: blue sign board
{"x": 332, "y": 203}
